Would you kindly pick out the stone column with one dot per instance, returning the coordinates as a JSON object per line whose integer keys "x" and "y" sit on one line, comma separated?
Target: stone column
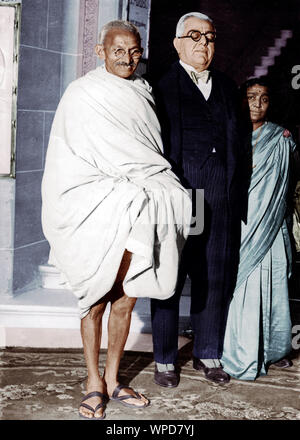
{"x": 87, "y": 37}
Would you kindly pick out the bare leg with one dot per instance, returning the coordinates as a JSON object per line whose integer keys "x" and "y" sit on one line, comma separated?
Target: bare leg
{"x": 91, "y": 327}
{"x": 118, "y": 329}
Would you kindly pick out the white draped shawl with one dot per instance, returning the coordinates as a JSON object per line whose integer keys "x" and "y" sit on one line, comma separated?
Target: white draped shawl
{"x": 107, "y": 188}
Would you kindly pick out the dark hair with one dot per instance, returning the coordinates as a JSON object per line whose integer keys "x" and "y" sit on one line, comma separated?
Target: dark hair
{"x": 261, "y": 81}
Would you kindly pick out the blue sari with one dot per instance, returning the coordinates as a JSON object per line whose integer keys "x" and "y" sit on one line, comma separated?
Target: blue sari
{"x": 258, "y": 330}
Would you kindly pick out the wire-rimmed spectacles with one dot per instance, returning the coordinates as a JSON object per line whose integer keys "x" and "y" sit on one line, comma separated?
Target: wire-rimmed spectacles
{"x": 133, "y": 53}
{"x": 210, "y": 36}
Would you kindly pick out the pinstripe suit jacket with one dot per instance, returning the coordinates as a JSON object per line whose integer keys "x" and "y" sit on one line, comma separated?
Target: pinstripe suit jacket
{"x": 168, "y": 94}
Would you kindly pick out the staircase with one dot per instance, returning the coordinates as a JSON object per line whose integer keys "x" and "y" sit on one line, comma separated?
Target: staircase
{"x": 273, "y": 52}
{"x": 50, "y": 278}
{"x": 45, "y": 314}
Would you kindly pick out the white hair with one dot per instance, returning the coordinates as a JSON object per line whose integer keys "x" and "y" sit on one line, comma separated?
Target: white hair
{"x": 182, "y": 20}
{"x": 119, "y": 24}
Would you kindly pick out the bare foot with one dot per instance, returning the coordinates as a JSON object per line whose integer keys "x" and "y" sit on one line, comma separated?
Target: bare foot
{"x": 93, "y": 401}
{"x": 138, "y": 400}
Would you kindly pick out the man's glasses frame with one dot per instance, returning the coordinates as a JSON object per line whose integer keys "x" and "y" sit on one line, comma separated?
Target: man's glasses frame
{"x": 210, "y": 36}
{"x": 134, "y": 53}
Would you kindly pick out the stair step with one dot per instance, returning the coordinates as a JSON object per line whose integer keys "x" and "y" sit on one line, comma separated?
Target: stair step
{"x": 49, "y": 318}
{"x": 51, "y": 278}
{"x": 260, "y": 71}
{"x": 273, "y": 51}
{"x": 286, "y": 33}
{"x": 267, "y": 61}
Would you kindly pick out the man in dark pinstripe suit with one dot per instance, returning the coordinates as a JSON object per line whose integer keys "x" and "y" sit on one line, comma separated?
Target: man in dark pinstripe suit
{"x": 198, "y": 113}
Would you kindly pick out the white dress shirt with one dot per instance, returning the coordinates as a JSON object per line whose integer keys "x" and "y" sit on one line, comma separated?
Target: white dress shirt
{"x": 205, "y": 88}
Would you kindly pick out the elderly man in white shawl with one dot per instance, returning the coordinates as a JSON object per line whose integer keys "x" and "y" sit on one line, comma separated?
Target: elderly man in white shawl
{"x": 115, "y": 215}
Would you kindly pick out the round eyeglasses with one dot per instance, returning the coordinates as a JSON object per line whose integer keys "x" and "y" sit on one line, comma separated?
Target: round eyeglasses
{"x": 134, "y": 53}
{"x": 210, "y": 36}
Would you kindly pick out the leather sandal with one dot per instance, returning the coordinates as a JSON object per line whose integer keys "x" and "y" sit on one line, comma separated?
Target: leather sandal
{"x": 90, "y": 408}
{"x": 121, "y": 399}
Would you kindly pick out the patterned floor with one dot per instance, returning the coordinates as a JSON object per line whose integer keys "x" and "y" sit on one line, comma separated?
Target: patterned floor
{"x": 48, "y": 385}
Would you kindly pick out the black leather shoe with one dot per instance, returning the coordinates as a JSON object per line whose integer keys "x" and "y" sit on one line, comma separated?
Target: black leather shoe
{"x": 168, "y": 379}
{"x": 283, "y": 363}
{"x": 217, "y": 375}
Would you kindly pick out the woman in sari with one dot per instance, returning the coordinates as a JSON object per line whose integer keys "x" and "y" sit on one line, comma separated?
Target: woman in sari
{"x": 258, "y": 331}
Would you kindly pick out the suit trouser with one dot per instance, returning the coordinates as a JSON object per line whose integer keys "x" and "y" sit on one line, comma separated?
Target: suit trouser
{"x": 210, "y": 261}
